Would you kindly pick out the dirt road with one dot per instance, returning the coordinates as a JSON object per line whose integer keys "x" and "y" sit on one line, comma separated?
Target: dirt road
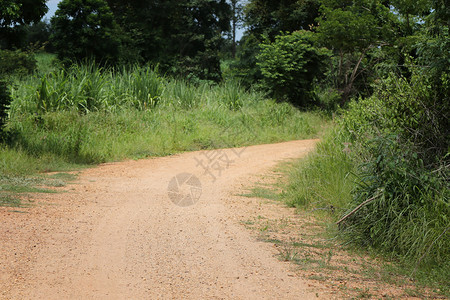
{"x": 149, "y": 229}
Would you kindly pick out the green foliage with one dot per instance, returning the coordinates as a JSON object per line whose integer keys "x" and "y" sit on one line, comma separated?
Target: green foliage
{"x": 403, "y": 135}
{"x": 86, "y": 29}
{"x": 388, "y": 159}
{"x": 411, "y": 208}
{"x": 323, "y": 180}
{"x": 411, "y": 109}
{"x": 290, "y": 65}
{"x": 87, "y": 88}
{"x": 244, "y": 68}
{"x": 38, "y": 33}
{"x": 353, "y": 29}
{"x": 16, "y": 62}
{"x": 266, "y": 17}
{"x": 14, "y": 14}
{"x": 182, "y": 37}
{"x": 90, "y": 115}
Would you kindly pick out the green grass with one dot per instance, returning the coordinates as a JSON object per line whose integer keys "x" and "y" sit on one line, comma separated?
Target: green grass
{"x": 262, "y": 192}
{"x": 323, "y": 180}
{"x": 322, "y": 185}
{"x": 46, "y": 62}
{"x": 62, "y": 120}
{"x": 325, "y": 184}
{"x": 87, "y": 115}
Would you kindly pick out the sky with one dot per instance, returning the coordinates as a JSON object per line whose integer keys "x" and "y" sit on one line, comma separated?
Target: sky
{"x": 53, "y": 6}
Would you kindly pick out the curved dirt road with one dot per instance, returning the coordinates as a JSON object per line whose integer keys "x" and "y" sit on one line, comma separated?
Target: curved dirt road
{"x": 115, "y": 233}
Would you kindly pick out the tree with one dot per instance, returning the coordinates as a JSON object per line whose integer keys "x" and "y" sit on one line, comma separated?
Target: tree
{"x": 271, "y": 17}
{"x": 409, "y": 9}
{"x": 85, "y": 29}
{"x": 266, "y": 18}
{"x": 290, "y": 65}
{"x": 183, "y": 37}
{"x": 351, "y": 29}
{"x": 236, "y": 19}
{"x": 38, "y": 33}
{"x": 14, "y": 14}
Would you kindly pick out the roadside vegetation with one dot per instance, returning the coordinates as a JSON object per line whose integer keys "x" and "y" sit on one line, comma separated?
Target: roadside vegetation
{"x": 122, "y": 88}
{"x": 62, "y": 119}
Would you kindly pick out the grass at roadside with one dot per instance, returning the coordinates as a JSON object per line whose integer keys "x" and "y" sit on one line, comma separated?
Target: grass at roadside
{"x": 58, "y": 140}
{"x": 310, "y": 239}
{"x": 62, "y": 120}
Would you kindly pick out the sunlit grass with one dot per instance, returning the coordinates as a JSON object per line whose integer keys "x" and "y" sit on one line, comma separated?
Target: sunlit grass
{"x": 87, "y": 115}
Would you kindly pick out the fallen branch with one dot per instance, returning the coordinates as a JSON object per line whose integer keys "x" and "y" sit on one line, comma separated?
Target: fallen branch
{"x": 357, "y": 208}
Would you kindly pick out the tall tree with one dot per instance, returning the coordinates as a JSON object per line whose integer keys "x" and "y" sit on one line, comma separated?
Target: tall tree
{"x": 85, "y": 29}
{"x": 351, "y": 29}
{"x": 236, "y": 19}
{"x": 270, "y": 17}
{"x": 267, "y": 18}
{"x": 182, "y": 36}
{"x": 13, "y": 14}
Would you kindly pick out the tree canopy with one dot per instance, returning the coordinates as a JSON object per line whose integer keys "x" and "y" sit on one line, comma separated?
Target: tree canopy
{"x": 13, "y": 14}
{"x": 85, "y": 29}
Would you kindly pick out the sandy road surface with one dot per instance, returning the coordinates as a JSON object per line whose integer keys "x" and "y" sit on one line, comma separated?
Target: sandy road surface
{"x": 115, "y": 234}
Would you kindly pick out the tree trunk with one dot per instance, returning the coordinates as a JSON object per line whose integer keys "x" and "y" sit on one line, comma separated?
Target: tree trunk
{"x": 348, "y": 86}
{"x": 233, "y": 25}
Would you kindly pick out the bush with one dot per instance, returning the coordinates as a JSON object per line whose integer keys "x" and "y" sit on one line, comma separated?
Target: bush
{"x": 388, "y": 157}
{"x": 16, "y": 63}
{"x": 401, "y": 136}
{"x": 410, "y": 209}
{"x": 290, "y": 65}
{"x": 410, "y": 109}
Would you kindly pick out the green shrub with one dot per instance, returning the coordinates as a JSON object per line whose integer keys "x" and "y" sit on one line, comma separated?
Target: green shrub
{"x": 410, "y": 209}
{"x": 401, "y": 137}
{"x": 290, "y": 65}
{"x": 409, "y": 108}
{"x": 16, "y": 63}
{"x": 388, "y": 159}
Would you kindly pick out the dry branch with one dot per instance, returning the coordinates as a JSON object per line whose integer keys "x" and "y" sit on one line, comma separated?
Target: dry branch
{"x": 357, "y": 208}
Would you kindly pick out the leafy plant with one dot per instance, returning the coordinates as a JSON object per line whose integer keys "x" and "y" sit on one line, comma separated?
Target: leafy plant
{"x": 86, "y": 29}
{"x": 16, "y": 62}
{"x": 290, "y": 65}
{"x": 410, "y": 209}
{"x": 402, "y": 143}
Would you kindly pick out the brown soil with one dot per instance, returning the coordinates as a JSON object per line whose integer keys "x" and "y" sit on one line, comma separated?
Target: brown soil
{"x": 116, "y": 233}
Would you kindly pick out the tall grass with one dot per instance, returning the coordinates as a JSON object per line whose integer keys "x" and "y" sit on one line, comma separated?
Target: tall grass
{"x": 88, "y": 115}
{"x": 374, "y": 174}
{"x": 88, "y": 88}
{"x": 324, "y": 180}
